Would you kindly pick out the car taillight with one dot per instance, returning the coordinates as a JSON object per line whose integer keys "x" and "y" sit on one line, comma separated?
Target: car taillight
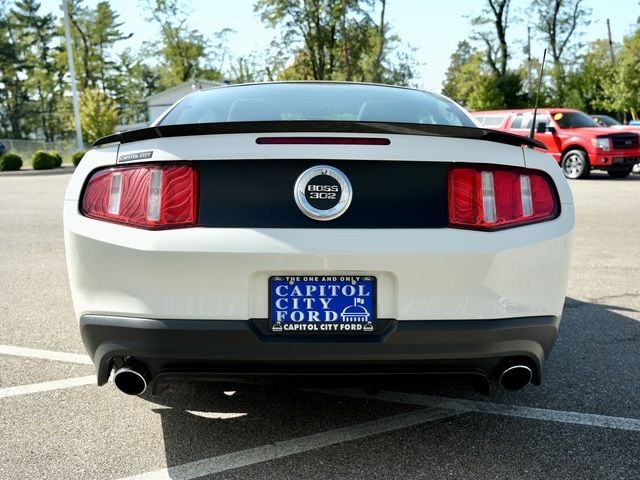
{"x": 494, "y": 197}
{"x": 148, "y": 196}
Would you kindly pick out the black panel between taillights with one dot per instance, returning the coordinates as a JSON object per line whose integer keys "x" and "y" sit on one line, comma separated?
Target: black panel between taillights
{"x": 259, "y": 193}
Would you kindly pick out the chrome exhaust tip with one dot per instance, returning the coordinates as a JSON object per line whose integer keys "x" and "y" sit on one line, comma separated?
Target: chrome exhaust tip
{"x": 132, "y": 378}
{"x": 515, "y": 377}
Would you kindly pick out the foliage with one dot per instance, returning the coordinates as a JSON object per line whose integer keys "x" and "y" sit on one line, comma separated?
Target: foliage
{"x": 182, "y": 51}
{"x": 560, "y": 22}
{"x": 337, "y": 40}
{"x": 43, "y": 160}
{"x": 586, "y": 88}
{"x": 472, "y": 83}
{"x": 622, "y": 88}
{"x": 348, "y": 40}
{"x": 10, "y": 162}
{"x": 57, "y": 157}
{"x": 77, "y": 157}
{"x": 98, "y": 116}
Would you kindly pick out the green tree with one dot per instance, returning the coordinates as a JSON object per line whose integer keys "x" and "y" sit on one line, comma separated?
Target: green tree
{"x": 460, "y": 78}
{"x": 95, "y": 32}
{"x": 134, "y": 80}
{"x": 586, "y": 88}
{"x": 38, "y": 41}
{"x": 475, "y": 85}
{"x": 13, "y": 90}
{"x": 182, "y": 51}
{"x": 504, "y": 87}
{"x": 559, "y": 22}
{"x": 622, "y": 89}
{"x": 337, "y": 40}
{"x": 98, "y": 116}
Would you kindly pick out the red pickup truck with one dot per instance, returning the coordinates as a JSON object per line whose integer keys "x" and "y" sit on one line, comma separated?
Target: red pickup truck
{"x": 576, "y": 142}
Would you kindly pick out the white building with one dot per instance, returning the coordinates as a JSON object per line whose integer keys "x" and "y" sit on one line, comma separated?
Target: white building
{"x": 158, "y": 103}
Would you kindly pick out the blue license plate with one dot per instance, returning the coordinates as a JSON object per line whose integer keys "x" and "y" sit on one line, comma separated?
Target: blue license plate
{"x": 322, "y": 304}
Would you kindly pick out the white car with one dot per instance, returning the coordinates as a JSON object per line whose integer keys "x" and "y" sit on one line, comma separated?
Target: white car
{"x": 319, "y": 231}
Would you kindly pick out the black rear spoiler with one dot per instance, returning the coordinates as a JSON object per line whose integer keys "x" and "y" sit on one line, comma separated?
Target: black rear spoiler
{"x": 186, "y": 130}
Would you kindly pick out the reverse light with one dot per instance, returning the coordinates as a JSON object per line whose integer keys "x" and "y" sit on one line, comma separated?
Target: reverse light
{"x": 151, "y": 196}
{"x": 494, "y": 197}
{"x": 602, "y": 142}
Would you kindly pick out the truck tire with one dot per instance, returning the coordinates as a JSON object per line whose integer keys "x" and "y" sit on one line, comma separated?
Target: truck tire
{"x": 575, "y": 164}
{"x": 619, "y": 173}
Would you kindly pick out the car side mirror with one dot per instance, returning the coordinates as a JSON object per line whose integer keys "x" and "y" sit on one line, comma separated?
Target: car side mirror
{"x": 541, "y": 127}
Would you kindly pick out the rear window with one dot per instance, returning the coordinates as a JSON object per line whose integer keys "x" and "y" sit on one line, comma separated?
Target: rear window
{"x": 523, "y": 121}
{"x": 316, "y": 102}
{"x": 492, "y": 121}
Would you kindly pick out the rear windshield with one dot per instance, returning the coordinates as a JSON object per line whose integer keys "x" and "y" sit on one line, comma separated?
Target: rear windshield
{"x": 573, "y": 120}
{"x": 316, "y": 102}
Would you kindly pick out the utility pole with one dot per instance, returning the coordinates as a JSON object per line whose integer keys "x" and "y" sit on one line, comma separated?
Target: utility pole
{"x": 613, "y": 58}
{"x": 72, "y": 72}
{"x": 529, "y": 61}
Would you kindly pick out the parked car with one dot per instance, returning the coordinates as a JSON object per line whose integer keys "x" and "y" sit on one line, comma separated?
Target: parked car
{"x": 576, "y": 142}
{"x": 317, "y": 230}
{"x": 607, "y": 121}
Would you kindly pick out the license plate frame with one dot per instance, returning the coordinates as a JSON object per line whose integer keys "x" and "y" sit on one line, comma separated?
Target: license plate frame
{"x": 352, "y": 299}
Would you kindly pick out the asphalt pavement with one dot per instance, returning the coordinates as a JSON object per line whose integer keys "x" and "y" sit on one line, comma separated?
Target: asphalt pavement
{"x": 582, "y": 423}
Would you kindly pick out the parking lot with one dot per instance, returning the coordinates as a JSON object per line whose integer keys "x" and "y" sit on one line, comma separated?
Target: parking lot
{"x": 583, "y": 422}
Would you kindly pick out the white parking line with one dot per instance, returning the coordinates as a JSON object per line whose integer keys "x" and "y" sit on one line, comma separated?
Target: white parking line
{"x": 560, "y": 416}
{"x": 45, "y": 354}
{"x": 264, "y": 453}
{"x": 47, "y": 386}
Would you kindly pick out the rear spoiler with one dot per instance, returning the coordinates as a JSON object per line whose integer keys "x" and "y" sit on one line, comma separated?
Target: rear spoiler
{"x": 224, "y": 128}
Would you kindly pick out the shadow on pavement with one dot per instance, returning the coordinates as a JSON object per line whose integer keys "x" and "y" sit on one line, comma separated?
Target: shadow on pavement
{"x": 593, "y": 369}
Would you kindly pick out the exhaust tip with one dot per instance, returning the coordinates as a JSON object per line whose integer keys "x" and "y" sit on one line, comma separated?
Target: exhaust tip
{"x": 132, "y": 378}
{"x": 515, "y": 377}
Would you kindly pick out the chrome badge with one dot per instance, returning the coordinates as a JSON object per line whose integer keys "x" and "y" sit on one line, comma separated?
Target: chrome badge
{"x": 323, "y": 192}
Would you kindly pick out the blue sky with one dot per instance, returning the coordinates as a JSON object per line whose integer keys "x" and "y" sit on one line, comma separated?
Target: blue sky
{"x": 434, "y": 27}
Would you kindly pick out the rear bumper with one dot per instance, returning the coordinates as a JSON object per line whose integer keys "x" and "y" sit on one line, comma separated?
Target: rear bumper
{"x": 228, "y": 349}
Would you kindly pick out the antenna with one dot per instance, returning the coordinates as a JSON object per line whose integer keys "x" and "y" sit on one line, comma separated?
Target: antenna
{"x": 535, "y": 109}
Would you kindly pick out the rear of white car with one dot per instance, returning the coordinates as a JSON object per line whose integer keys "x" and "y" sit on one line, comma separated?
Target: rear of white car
{"x": 182, "y": 248}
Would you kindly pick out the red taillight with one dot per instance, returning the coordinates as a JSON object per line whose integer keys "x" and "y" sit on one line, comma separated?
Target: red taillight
{"x": 146, "y": 196}
{"x": 489, "y": 198}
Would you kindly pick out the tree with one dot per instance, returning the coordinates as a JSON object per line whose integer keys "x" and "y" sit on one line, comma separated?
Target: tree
{"x": 586, "y": 88}
{"x": 182, "y": 50}
{"x": 98, "y": 116}
{"x": 504, "y": 89}
{"x": 559, "y": 22}
{"x": 337, "y": 40}
{"x": 622, "y": 89}
{"x": 133, "y": 80}
{"x": 37, "y": 35}
{"x": 495, "y": 16}
{"x": 94, "y": 33}
{"x": 465, "y": 66}
{"x": 13, "y": 90}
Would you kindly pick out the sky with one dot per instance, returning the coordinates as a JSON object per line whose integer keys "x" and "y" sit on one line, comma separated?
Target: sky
{"x": 434, "y": 27}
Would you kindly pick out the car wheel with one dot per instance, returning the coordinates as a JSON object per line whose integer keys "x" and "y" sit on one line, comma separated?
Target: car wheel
{"x": 636, "y": 169}
{"x": 619, "y": 173}
{"x": 575, "y": 164}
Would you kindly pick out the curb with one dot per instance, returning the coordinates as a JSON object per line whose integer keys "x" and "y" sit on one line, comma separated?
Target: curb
{"x": 65, "y": 169}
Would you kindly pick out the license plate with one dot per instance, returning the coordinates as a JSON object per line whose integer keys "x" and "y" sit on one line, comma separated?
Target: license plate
{"x": 322, "y": 304}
